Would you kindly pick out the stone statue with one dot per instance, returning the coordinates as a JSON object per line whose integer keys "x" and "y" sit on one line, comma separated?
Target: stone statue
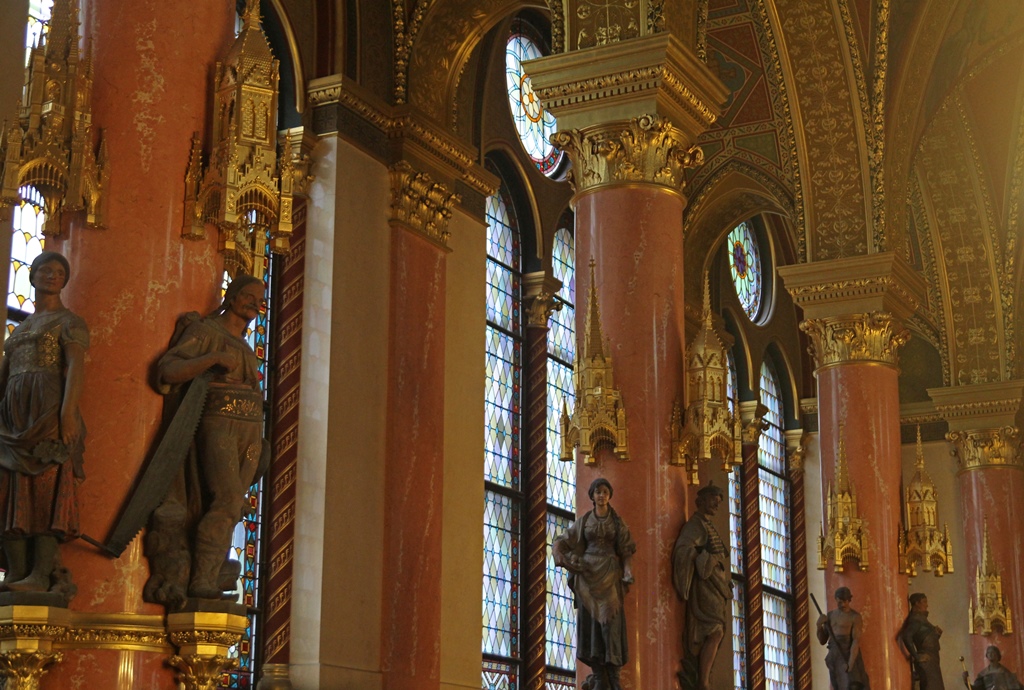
{"x": 597, "y": 550}
{"x": 700, "y": 572}
{"x": 919, "y": 641}
{"x": 841, "y": 629}
{"x": 190, "y": 532}
{"x": 995, "y": 676}
{"x": 42, "y": 436}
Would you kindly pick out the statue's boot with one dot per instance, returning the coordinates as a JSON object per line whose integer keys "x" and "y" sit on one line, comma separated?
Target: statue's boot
{"x": 613, "y": 677}
{"x": 15, "y": 551}
{"x": 206, "y": 567}
{"x": 600, "y": 678}
{"x": 44, "y": 558}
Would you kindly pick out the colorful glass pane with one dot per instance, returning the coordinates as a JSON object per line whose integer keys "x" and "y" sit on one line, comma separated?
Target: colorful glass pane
{"x": 502, "y": 414}
{"x": 775, "y": 569}
{"x": 770, "y": 445}
{"x": 745, "y": 267}
{"x": 554, "y": 680}
{"x": 27, "y": 243}
{"x": 563, "y": 264}
{"x": 503, "y": 288}
{"x": 498, "y": 675}
{"x": 38, "y": 19}
{"x": 739, "y": 637}
{"x": 561, "y": 475}
{"x": 501, "y": 575}
{"x": 560, "y": 650}
{"x": 735, "y": 521}
{"x": 778, "y": 643}
{"x": 533, "y": 122}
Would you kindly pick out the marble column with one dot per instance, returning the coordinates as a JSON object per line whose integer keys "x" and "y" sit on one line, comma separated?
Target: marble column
{"x": 413, "y": 473}
{"x": 752, "y": 412}
{"x": 130, "y": 281}
{"x": 630, "y": 138}
{"x": 853, "y": 309}
{"x": 985, "y": 438}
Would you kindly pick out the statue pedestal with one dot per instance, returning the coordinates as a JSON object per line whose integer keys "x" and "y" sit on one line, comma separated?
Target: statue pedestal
{"x": 27, "y": 635}
{"x": 275, "y": 677}
{"x": 202, "y": 634}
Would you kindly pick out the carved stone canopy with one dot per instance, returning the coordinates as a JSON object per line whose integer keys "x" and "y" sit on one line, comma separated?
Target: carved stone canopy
{"x": 988, "y": 611}
{"x": 844, "y": 534}
{"x": 922, "y": 542}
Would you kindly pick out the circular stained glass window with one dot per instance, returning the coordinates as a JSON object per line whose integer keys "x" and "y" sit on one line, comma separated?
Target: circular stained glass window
{"x": 534, "y": 124}
{"x": 745, "y": 266}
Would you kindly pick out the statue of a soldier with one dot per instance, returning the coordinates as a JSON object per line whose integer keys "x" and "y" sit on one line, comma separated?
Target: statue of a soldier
{"x": 841, "y": 629}
{"x": 995, "y": 676}
{"x": 210, "y": 375}
{"x": 919, "y": 640}
{"x": 701, "y": 576}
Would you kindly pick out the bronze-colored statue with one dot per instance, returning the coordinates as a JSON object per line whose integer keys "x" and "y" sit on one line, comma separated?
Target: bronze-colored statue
{"x": 919, "y": 640}
{"x": 841, "y": 629}
{"x": 700, "y": 572}
{"x": 42, "y": 436}
{"x": 597, "y": 550}
{"x": 995, "y": 676}
{"x": 190, "y": 532}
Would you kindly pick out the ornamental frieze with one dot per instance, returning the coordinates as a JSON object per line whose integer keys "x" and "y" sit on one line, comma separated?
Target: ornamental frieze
{"x": 866, "y": 337}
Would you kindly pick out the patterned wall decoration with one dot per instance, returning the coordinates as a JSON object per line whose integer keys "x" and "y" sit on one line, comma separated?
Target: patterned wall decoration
{"x": 753, "y": 135}
{"x": 954, "y": 195}
{"x": 836, "y": 174}
{"x": 929, "y": 319}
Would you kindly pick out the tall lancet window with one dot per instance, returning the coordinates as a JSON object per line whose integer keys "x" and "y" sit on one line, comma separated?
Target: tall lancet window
{"x": 560, "y": 652}
{"x": 739, "y": 613}
{"x": 776, "y": 573}
{"x": 503, "y": 491}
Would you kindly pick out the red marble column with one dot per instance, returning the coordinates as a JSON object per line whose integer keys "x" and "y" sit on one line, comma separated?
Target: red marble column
{"x": 798, "y": 531}
{"x": 635, "y": 235}
{"x": 750, "y": 498}
{"x": 411, "y": 621}
{"x": 862, "y": 399}
{"x": 130, "y": 281}
{"x": 995, "y": 494}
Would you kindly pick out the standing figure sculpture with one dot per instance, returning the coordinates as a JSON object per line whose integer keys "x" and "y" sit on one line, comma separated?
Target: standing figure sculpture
{"x": 700, "y": 572}
{"x": 919, "y": 640}
{"x": 42, "y": 436}
{"x": 597, "y": 550}
{"x": 995, "y": 676}
{"x": 841, "y": 629}
{"x": 190, "y": 532}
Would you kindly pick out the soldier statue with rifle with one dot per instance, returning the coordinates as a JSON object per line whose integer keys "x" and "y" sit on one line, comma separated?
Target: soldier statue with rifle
{"x": 841, "y": 630}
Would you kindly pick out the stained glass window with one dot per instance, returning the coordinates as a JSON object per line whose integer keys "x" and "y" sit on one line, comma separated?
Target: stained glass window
{"x": 26, "y": 244}
{"x": 502, "y": 462}
{"x": 739, "y": 637}
{"x": 38, "y": 18}
{"x": 745, "y": 267}
{"x": 778, "y": 643}
{"x": 533, "y": 122}
{"x": 561, "y": 479}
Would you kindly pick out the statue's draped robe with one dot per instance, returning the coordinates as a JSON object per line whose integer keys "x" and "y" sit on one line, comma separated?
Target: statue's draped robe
{"x": 700, "y": 572}
{"x": 1000, "y": 678}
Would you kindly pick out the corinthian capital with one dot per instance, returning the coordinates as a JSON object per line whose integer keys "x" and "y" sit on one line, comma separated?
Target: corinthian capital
{"x": 867, "y": 337}
{"x": 981, "y": 448}
{"x": 539, "y": 295}
{"x": 421, "y": 204}
{"x": 647, "y": 149}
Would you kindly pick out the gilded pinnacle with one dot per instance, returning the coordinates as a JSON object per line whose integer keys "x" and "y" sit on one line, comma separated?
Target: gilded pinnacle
{"x": 595, "y": 337}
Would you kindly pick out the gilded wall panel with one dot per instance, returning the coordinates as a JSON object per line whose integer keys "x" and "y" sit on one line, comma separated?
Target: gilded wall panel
{"x": 931, "y": 319}
{"x": 834, "y": 176}
{"x": 952, "y": 196}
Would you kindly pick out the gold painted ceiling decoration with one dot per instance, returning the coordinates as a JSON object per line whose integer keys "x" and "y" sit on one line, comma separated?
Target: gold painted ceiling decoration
{"x": 988, "y": 610}
{"x": 240, "y": 191}
{"x": 921, "y": 542}
{"x": 49, "y": 145}
{"x": 710, "y": 430}
{"x": 599, "y": 418}
{"x": 845, "y": 535}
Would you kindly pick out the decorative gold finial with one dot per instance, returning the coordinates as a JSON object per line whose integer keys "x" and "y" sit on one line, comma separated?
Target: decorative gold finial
{"x": 49, "y": 145}
{"x": 240, "y": 190}
{"x": 921, "y": 540}
{"x": 988, "y": 611}
{"x": 711, "y": 428}
{"x": 846, "y": 535}
{"x": 599, "y": 418}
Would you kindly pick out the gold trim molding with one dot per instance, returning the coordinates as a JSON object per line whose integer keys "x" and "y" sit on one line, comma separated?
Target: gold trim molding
{"x": 872, "y": 337}
{"x": 421, "y": 204}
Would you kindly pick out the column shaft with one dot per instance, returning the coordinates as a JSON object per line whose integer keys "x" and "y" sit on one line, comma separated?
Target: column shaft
{"x": 411, "y": 625}
{"x": 751, "y": 524}
{"x": 635, "y": 235}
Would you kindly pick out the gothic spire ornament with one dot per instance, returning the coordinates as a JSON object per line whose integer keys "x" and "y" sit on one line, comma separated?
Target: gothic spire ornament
{"x": 711, "y": 430}
{"x": 599, "y": 418}
{"x": 988, "y": 612}
{"x": 845, "y": 535}
{"x": 921, "y": 541}
{"x": 49, "y": 145}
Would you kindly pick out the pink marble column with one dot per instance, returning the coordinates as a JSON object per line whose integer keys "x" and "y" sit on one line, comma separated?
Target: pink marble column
{"x": 862, "y": 400}
{"x": 635, "y": 235}
{"x": 411, "y": 620}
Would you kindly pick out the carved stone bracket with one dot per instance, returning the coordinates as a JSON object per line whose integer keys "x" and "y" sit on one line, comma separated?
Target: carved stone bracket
{"x": 421, "y": 204}
{"x": 871, "y": 337}
{"x": 203, "y": 638}
{"x": 646, "y": 149}
{"x": 988, "y": 611}
{"x": 539, "y": 292}
{"x": 752, "y": 413}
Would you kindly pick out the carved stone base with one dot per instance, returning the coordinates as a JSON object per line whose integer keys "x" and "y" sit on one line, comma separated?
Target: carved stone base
{"x": 203, "y": 633}
{"x": 275, "y": 677}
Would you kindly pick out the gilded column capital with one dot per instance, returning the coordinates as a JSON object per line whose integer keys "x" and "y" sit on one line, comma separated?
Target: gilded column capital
{"x": 647, "y": 150}
{"x": 420, "y": 204}
{"x": 22, "y": 668}
{"x": 203, "y": 638}
{"x": 27, "y": 637}
{"x": 201, "y": 671}
{"x": 796, "y": 450}
{"x": 984, "y": 448}
{"x": 539, "y": 292}
{"x": 872, "y": 337}
{"x": 982, "y": 419}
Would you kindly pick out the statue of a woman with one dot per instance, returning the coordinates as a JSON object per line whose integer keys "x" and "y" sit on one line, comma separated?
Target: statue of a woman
{"x": 597, "y": 550}
{"x": 41, "y": 433}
